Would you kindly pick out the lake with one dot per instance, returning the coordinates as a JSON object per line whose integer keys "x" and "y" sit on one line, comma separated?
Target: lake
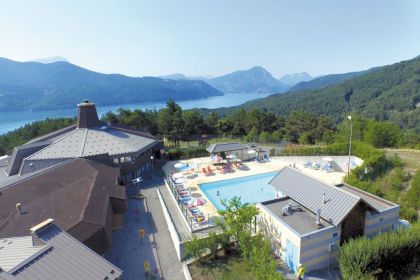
{"x": 12, "y": 120}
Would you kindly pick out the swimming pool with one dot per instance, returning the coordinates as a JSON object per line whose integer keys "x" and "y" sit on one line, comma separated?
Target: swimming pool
{"x": 188, "y": 166}
{"x": 251, "y": 189}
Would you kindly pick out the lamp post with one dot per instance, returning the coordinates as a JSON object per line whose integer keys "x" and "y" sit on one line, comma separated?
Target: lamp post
{"x": 351, "y": 131}
{"x": 151, "y": 161}
{"x": 137, "y": 180}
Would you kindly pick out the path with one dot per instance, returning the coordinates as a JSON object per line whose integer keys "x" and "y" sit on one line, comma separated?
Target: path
{"x": 127, "y": 251}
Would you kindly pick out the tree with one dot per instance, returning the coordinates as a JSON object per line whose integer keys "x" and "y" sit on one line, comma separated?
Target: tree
{"x": 264, "y": 137}
{"x": 211, "y": 123}
{"x": 193, "y": 124}
{"x": 261, "y": 261}
{"x": 252, "y": 135}
{"x": 195, "y": 248}
{"x": 298, "y": 123}
{"x": 382, "y": 134}
{"x": 237, "y": 217}
{"x": 275, "y": 136}
{"x": 213, "y": 243}
{"x": 170, "y": 121}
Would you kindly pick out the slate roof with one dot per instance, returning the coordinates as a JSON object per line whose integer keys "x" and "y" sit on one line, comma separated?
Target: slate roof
{"x": 225, "y": 147}
{"x": 308, "y": 192}
{"x": 83, "y": 142}
{"x": 74, "y": 193}
{"x": 377, "y": 203}
{"x": 62, "y": 257}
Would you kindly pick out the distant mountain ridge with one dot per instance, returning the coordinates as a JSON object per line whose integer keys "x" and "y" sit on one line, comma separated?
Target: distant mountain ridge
{"x": 253, "y": 80}
{"x": 389, "y": 92}
{"x": 293, "y": 79}
{"x": 325, "y": 80}
{"x": 52, "y": 59}
{"x": 59, "y": 85}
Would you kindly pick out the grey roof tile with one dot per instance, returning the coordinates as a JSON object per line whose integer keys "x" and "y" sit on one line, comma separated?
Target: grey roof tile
{"x": 225, "y": 147}
{"x": 84, "y": 142}
{"x": 309, "y": 192}
{"x": 65, "y": 258}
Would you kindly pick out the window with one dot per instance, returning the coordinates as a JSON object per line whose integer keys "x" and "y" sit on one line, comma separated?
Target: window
{"x": 381, "y": 219}
{"x": 116, "y": 161}
{"x": 335, "y": 234}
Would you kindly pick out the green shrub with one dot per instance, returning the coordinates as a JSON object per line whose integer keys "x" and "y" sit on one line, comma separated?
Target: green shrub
{"x": 180, "y": 153}
{"x": 383, "y": 256}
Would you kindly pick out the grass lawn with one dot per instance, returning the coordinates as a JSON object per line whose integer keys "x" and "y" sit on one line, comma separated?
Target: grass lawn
{"x": 226, "y": 268}
{"x": 411, "y": 158}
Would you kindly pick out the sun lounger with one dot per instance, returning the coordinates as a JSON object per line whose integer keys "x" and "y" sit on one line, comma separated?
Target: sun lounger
{"x": 308, "y": 164}
{"x": 316, "y": 166}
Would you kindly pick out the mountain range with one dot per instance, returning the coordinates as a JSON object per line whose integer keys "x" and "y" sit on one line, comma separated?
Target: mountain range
{"x": 389, "y": 92}
{"x": 253, "y": 80}
{"x": 293, "y": 79}
{"x": 58, "y": 85}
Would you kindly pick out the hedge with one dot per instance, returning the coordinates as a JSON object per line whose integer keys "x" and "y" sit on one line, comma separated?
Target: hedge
{"x": 384, "y": 256}
{"x": 182, "y": 153}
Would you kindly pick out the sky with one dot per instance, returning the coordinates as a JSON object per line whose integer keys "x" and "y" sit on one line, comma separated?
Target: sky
{"x": 214, "y": 37}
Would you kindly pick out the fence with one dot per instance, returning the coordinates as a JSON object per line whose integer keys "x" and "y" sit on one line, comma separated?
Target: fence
{"x": 194, "y": 226}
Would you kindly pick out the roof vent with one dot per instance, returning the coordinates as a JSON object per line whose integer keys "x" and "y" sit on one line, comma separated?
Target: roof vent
{"x": 318, "y": 217}
{"x": 87, "y": 116}
{"x": 324, "y": 199}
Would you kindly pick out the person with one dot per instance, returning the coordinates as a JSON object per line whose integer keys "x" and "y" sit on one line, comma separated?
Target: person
{"x": 141, "y": 233}
{"x": 218, "y": 193}
{"x": 301, "y": 272}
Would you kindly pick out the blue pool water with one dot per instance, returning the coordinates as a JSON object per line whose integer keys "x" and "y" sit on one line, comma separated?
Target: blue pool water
{"x": 251, "y": 189}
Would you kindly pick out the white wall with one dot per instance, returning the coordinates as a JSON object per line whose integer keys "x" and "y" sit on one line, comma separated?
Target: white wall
{"x": 376, "y": 223}
{"x": 172, "y": 231}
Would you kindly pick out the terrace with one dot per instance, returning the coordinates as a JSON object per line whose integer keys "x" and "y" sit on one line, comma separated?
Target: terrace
{"x": 190, "y": 178}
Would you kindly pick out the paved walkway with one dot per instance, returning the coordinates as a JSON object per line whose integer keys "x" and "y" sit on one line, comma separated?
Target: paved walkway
{"x": 129, "y": 252}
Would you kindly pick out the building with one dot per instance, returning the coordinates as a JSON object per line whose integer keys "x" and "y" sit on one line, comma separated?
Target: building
{"x": 242, "y": 152}
{"x": 50, "y": 253}
{"x": 128, "y": 149}
{"x": 81, "y": 195}
{"x": 308, "y": 225}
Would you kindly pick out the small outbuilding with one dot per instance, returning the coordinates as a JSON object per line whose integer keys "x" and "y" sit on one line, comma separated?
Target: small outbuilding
{"x": 308, "y": 225}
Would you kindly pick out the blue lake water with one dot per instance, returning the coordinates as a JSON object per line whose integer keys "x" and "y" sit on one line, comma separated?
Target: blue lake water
{"x": 12, "y": 120}
{"x": 251, "y": 189}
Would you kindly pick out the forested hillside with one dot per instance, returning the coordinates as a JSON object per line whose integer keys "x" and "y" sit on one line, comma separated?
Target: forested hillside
{"x": 324, "y": 81}
{"x": 38, "y": 86}
{"x": 389, "y": 93}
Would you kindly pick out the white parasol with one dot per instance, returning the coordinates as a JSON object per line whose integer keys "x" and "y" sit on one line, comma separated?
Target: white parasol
{"x": 180, "y": 181}
{"x": 177, "y": 175}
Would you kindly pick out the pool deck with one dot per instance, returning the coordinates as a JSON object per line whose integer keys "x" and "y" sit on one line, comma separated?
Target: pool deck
{"x": 194, "y": 179}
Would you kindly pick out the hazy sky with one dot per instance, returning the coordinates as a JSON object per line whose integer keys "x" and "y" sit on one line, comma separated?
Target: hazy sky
{"x": 213, "y": 37}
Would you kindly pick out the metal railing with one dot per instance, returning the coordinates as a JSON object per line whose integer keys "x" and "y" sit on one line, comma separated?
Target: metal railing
{"x": 194, "y": 225}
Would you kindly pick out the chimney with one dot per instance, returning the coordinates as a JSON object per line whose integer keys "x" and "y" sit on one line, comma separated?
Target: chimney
{"x": 87, "y": 117}
{"x": 36, "y": 241}
{"x": 318, "y": 217}
{"x": 19, "y": 208}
